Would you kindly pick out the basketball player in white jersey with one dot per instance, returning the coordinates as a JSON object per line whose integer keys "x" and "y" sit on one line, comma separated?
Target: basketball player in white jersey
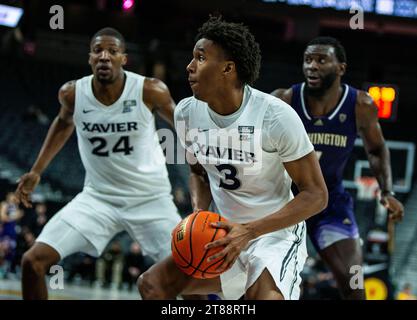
{"x": 265, "y": 245}
{"x": 126, "y": 185}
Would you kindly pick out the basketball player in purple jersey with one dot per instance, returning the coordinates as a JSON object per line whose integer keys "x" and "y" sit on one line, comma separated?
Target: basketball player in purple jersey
{"x": 333, "y": 114}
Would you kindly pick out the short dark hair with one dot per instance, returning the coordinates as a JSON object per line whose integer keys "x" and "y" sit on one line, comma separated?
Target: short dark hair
{"x": 330, "y": 41}
{"x": 112, "y": 33}
{"x": 238, "y": 44}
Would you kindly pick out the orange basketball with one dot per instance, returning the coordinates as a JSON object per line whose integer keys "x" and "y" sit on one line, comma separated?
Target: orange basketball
{"x": 188, "y": 240}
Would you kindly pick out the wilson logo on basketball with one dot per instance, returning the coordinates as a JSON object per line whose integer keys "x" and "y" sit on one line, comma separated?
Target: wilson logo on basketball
{"x": 180, "y": 235}
{"x": 181, "y": 231}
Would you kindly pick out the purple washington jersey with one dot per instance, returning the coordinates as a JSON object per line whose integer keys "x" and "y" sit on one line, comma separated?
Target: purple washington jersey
{"x": 333, "y": 136}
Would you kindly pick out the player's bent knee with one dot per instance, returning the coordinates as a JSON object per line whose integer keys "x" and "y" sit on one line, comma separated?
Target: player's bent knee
{"x": 150, "y": 288}
{"x": 33, "y": 263}
{"x": 37, "y": 260}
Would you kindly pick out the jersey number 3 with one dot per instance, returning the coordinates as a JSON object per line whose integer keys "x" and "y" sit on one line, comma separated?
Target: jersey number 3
{"x": 122, "y": 145}
{"x": 230, "y": 172}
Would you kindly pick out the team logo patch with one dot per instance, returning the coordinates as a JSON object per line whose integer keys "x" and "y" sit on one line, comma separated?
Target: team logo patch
{"x": 347, "y": 221}
{"x": 245, "y": 132}
{"x": 127, "y": 105}
{"x": 319, "y": 122}
{"x": 342, "y": 117}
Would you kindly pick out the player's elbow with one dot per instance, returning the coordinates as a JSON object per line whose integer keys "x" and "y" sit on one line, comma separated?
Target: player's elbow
{"x": 317, "y": 199}
{"x": 324, "y": 197}
{"x": 321, "y": 197}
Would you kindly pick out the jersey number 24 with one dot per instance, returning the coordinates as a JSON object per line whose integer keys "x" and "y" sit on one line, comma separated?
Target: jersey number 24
{"x": 100, "y": 146}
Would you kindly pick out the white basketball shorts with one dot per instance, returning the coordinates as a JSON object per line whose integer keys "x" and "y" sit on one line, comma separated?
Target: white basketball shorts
{"x": 150, "y": 223}
{"x": 283, "y": 258}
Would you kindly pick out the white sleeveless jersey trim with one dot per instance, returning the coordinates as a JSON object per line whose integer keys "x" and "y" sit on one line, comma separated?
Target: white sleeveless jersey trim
{"x": 238, "y": 195}
{"x": 118, "y": 144}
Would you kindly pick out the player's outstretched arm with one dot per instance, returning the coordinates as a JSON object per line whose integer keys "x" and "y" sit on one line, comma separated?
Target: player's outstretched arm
{"x": 199, "y": 188}
{"x": 58, "y": 133}
{"x": 377, "y": 152}
{"x": 157, "y": 97}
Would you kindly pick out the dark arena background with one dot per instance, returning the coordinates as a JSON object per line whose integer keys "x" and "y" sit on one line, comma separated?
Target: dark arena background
{"x": 39, "y": 52}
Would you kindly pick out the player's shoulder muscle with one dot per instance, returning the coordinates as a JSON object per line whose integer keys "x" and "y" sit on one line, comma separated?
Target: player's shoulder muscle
{"x": 283, "y": 94}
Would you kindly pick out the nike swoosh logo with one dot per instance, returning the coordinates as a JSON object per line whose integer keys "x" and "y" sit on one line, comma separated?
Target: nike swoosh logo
{"x": 202, "y": 130}
{"x": 87, "y": 111}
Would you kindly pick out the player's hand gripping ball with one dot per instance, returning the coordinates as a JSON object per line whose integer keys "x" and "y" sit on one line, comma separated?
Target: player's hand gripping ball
{"x": 188, "y": 240}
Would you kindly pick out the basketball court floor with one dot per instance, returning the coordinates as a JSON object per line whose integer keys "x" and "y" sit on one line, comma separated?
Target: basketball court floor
{"x": 10, "y": 289}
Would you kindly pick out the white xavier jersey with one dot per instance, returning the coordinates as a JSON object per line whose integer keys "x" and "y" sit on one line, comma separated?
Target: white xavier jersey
{"x": 266, "y": 133}
{"x": 118, "y": 144}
